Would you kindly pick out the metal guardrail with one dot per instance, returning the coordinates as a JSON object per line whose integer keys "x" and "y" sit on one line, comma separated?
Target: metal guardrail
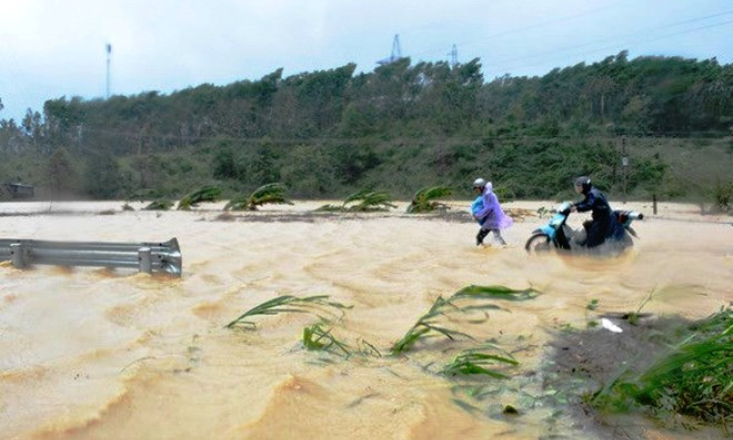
{"x": 147, "y": 257}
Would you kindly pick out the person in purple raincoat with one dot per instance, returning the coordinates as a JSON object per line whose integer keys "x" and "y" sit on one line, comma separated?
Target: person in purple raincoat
{"x": 487, "y": 211}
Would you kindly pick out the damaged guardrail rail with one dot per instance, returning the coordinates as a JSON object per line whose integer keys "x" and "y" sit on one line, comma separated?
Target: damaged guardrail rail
{"x": 147, "y": 257}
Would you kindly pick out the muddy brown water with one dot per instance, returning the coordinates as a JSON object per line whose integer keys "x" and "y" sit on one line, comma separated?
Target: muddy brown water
{"x": 89, "y": 353}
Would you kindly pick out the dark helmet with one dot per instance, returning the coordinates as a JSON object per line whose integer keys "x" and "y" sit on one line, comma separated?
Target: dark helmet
{"x": 583, "y": 182}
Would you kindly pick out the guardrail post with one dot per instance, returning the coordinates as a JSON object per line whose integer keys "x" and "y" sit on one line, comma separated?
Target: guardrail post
{"x": 17, "y": 252}
{"x": 146, "y": 260}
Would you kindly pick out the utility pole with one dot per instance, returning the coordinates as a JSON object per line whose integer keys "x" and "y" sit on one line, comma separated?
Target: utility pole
{"x": 109, "y": 56}
{"x": 624, "y": 165}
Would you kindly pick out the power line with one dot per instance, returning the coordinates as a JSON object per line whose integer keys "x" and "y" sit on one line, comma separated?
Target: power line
{"x": 525, "y": 28}
{"x": 644, "y": 32}
{"x": 610, "y": 47}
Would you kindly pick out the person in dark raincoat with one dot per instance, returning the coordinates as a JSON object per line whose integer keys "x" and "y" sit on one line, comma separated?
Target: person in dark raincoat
{"x": 604, "y": 224}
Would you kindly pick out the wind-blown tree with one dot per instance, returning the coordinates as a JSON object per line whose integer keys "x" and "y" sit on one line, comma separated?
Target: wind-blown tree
{"x": 452, "y": 95}
{"x": 325, "y": 132}
{"x": 366, "y": 200}
{"x": 426, "y": 199}
{"x": 64, "y": 124}
{"x": 102, "y": 178}
{"x": 362, "y": 201}
{"x": 260, "y": 163}
{"x": 12, "y": 139}
{"x": 322, "y": 95}
{"x": 60, "y": 173}
{"x": 208, "y": 193}
{"x": 309, "y": 171}
{"x": 272, "y": 193}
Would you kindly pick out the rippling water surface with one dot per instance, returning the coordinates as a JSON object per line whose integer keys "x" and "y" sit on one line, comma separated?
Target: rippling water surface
{"x": 89, "y": 353}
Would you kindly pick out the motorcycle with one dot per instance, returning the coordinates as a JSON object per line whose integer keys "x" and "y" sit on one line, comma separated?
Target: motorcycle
{"x": 558, "y": 235}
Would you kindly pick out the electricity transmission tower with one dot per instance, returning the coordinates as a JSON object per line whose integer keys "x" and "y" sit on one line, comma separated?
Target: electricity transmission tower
{"x": 453, "y": 56}
{"x": 396, "y": 52}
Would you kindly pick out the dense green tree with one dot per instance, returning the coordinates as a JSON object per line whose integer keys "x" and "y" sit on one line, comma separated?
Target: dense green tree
{"x": 224, "y": 164}
{"x": 61, "y": 176}
{"x": 309, "y": 172}
{"x": 102, "y": 177}
{"x": 261, "y": 165}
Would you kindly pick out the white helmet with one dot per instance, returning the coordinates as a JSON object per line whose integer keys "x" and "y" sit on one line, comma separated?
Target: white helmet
{"x": 479, "y": 183}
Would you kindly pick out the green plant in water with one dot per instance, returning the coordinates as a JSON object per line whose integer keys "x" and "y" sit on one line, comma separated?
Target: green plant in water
{"x": 427, "y": 324}
{"x": 496, "y": 292}
{"x": 286, "y": 304}
{"x": 365, "y": 200}
{"x": 362, "y": 201}
{"x": 696, "y": 379}
{"x": 208, "y": 193}
{"x": 316, "y": 338}
{"x": 272, "y": 193}
{"x": 330, "y": 208}
{"x": 426, "y": 199}
{"x": 477, "y": 361}
{"x": 634, "y": 317}
{"x": 367, "y": 349}
{"x": 159, "y": 205}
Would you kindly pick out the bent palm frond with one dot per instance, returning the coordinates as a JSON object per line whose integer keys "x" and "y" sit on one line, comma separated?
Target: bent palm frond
{"x": 272, "y": 193}
{"x": 208, "y": 193}
{"x": 426, "y": 199}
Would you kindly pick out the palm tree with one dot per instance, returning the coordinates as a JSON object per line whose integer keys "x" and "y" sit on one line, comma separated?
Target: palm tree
{"x": 272, "y": 193}
{"x": 209, "y": 193}
{"x": 425, "y": 199}
{"x": 366, "y": 200}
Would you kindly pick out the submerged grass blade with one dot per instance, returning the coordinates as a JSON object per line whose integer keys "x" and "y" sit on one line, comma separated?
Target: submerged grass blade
{"x": 466, "y": 406}
{"x": 410, "y": 338}
{"x": 448, "y": 333}
{"x": 316, "y": 338}
{"x": 477, "y": 361}
{"x": 426, "y": 324}
{"x": 285, "y": 304}
{"x": 367, "y": 348}
{"x": 496, "y": 292}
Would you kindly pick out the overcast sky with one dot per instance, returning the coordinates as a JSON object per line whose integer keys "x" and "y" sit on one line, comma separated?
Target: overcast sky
{"x": 55, "y": 48}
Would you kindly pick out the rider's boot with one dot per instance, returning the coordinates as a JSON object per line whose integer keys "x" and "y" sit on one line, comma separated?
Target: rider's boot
{"x": 480, "y": 236}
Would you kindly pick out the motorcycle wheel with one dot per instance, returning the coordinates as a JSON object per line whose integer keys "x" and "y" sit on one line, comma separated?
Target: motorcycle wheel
{"x": 538, "y": 243}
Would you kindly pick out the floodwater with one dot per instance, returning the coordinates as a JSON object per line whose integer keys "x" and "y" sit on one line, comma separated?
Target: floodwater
{"x": 90, "y": 353}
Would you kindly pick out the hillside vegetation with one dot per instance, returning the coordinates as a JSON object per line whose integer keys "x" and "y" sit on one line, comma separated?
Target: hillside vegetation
{"x": 399, "y": 128}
